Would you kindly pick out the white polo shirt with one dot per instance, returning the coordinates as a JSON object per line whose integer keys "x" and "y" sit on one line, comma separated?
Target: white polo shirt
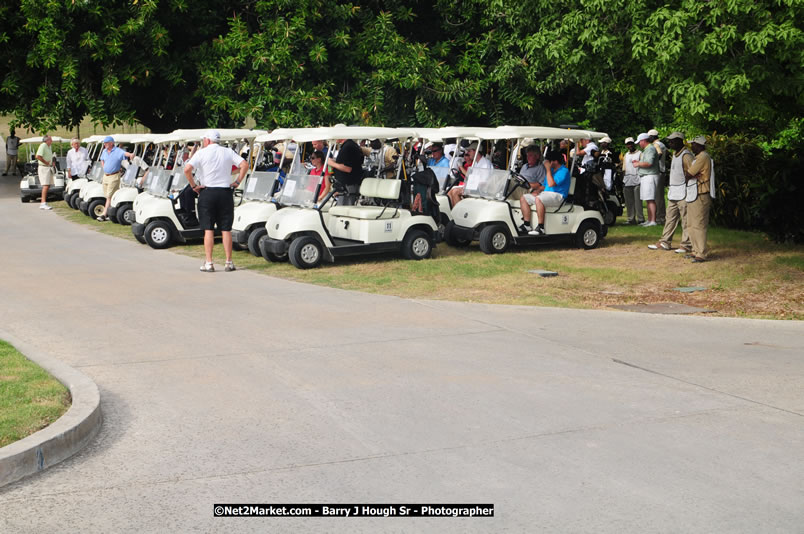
{"x": 77, "y": 161}
{"x": 213, "y": 165}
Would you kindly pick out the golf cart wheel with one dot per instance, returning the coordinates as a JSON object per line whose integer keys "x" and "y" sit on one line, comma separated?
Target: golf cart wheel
{"x": 126, "y": 215}
{"x": 417, "y": 245}
{"x": 158, "y": 234}
{"x": 588, "y": 236}
{"x": 96, "y": 208}
{"x": 68, "y": 199}
{"x": 494, "y": 239}
{"x": 305, "y": 252}
{"x": 268, "y": 255}
{"x": 452, "y": 239}
{"x": 254, "y": 240}
{"x": 25, "y": 200}
{"x": 75, "y": 201}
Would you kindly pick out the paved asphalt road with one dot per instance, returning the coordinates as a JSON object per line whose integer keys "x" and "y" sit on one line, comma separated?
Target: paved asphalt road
{"x": 241, "y": 388}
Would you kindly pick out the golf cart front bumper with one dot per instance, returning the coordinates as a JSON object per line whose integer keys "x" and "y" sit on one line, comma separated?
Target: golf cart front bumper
{"x": 275, "y": 246}
{"x": 240, "y": 237}
{"x": 83, "y": 206}
{"x": 138, "y": 229}
{"x": 463, "y": 233}
{"x": 112, "y": 213}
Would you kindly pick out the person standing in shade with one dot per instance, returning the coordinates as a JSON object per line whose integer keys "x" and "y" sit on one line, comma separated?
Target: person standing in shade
{"x": 661, "y": 183}
{"x": 77, "y": 160}
{"x": 700, "y": 193}
{"x": 215, "y": 188}
{"x": 112, "y": 158}
{"x": 676, "y": 205}
{"x": 633, "y": 203}
{"x": 648, "y": 166}
{"x": 46, "y": 170}
{"x": 12, "y": 146}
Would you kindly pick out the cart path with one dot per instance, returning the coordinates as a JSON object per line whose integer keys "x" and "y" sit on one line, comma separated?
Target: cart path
{"x": 242, "y": 388}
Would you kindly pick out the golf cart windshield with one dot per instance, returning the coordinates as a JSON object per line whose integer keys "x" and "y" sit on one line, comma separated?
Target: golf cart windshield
{"x": 158, "y": 186}
{"x": 299, "y": 190}
{"x": 130, "y": 177}
{"x": 178, "y": 180}
{"x": 96, "y": 174}
{"x": 486, "y": 183}
{"x": 260, "y": 185}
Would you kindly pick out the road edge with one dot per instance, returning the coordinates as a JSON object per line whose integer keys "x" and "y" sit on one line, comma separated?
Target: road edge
{"x": 67, "y": 435}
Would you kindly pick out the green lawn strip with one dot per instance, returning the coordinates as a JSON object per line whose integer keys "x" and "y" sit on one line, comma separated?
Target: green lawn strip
{"x": 750, "y": 275}
{"x": 30, "y": 399}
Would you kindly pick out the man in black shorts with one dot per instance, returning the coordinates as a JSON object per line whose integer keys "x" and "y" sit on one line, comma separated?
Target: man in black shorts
{"x": 348, "y": 168}
{"x": 213, "y": 166}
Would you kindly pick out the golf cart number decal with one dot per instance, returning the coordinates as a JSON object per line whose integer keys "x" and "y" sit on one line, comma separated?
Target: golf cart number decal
{"x": 565, "y": 219}
{"x": 388, "y": 227}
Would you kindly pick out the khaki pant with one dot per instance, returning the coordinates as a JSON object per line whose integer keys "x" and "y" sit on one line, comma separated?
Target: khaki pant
{"x": 698, "y": 224}
{"x": 111, "y": 183}
{"x": 11, "y": 163}
{"x": 633, "y": 204}
{"x": 676, "y": 213}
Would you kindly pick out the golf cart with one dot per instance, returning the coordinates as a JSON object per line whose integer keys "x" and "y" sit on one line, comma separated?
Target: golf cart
{"x": 491, "y": 214}
{"x": 30, "y": 187}
{"x": 121, "y": 207}
{"x": 73, "y": 187}
{"x": 258, "y": 202}
{"x": 166, "y": 213}
{"x": 307, "y": 233}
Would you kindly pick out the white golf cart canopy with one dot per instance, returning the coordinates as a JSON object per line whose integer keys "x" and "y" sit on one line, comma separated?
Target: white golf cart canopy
{"x": 31, "y": 140}
{"x": 546, "y": 132}
{"x": 227, "y": 134}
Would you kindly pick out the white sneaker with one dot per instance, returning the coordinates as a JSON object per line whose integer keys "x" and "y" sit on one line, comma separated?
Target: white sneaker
{"x": 207, "y": 268}
{"x": 44, "y": 206}
{"x": 649, "y": 223}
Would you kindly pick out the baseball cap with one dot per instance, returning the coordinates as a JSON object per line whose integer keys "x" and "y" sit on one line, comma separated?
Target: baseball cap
{"x": 108, "y": 139}
{"x": 472, "y": 146}
{"x": 676, "y": 135}
{"x": 629, "y": 140}
{"x": 212, "y": 135}
{"x": 700, "y": 140}
{"x": 642, "y": 137}
{"x": 606, "y": 139}
{"x": 652, "y": 131}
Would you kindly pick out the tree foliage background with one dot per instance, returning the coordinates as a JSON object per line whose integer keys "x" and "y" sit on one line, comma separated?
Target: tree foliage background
{"x": 620, "y": 66}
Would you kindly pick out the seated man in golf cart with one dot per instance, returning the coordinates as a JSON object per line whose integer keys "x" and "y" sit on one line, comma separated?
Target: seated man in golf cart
{"x": 556, "y": 188}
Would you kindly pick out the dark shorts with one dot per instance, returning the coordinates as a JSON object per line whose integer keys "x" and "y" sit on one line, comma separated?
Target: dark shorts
{"x": 216, "y": 207}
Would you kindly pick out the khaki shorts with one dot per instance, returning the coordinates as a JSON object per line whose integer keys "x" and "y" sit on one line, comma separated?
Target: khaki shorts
{"x": 45, "y": 175}
{"x": 111, "y": 183}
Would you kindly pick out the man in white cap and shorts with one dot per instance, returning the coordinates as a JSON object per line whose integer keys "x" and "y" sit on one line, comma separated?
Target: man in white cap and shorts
{"x": 215, "y": 187}
{"x": 47, "y": 169}
{"x": 648, "y": 168}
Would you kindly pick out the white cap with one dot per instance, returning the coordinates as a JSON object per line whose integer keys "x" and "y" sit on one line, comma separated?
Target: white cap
{"x": 606, "y": 139}
{"x": 629, "y": 140}
{"x": 700, "y": 140}
{"x": 642, "y": 137}
{"x": 652, "y": 131}
{"x": 212, "y": 135}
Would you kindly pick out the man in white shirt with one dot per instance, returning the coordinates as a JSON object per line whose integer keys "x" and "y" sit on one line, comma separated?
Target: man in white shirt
{"x": 589, "y": 150}
{"x": 77, "y": 160}
{"x": 213, "y": 166}
{"x": 661, "y": 184}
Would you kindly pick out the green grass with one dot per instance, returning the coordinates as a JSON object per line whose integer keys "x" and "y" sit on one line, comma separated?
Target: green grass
{"x": 749, "y": 276}
{"x": 30, "y": 399}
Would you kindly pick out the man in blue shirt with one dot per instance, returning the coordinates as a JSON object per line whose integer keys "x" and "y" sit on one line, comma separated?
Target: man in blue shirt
{"x": 112, "y": 158}
{"x": 557, "y": 184}
{"x": 437, "y": 157}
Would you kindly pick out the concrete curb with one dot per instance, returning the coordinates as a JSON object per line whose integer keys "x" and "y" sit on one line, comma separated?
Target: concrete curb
{"x": 67, "y": 435}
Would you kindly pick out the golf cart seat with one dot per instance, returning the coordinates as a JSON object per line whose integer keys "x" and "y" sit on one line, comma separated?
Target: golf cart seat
{"x": 378, "y": 188}
{"x": 565, "y": 206}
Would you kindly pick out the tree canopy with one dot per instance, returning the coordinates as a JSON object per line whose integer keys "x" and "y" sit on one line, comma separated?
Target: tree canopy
{"x": 618, "y": 66}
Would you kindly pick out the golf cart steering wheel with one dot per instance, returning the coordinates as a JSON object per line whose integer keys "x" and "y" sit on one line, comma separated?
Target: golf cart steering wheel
{"x": 521, "y": 181}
